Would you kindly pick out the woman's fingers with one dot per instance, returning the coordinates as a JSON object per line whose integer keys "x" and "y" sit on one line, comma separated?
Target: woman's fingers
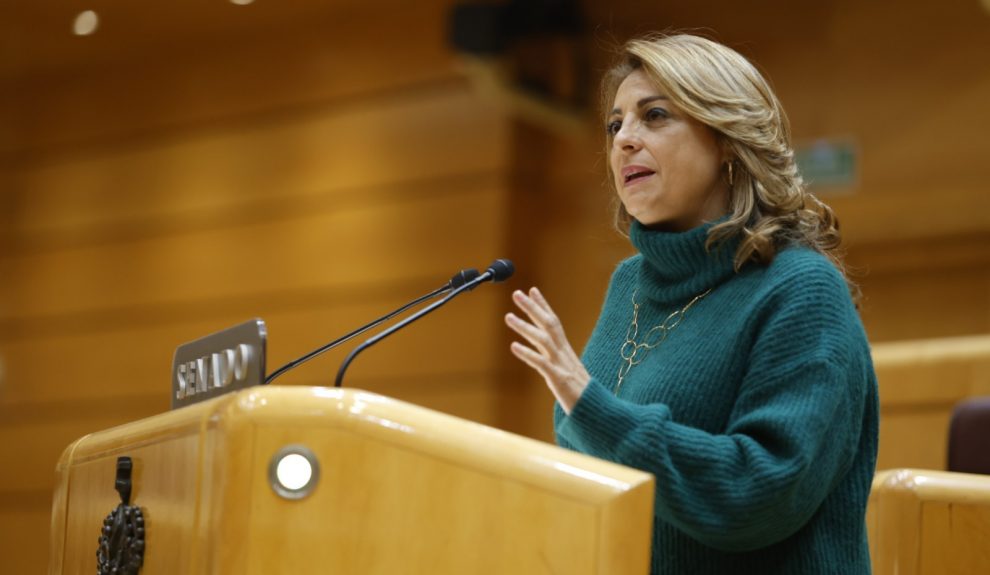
{"x": 531, "y": 358}
{"x": 536, "y": 295}
{"x": 551, "y": 323}
{"x": 540, "y": 313}
{"x": 541, "y": 366}
{"x": 551, "y": 355}
{"x": 537, "y": 314}
{"x": 544, "y": 333}
{"x": 534, "y": 335}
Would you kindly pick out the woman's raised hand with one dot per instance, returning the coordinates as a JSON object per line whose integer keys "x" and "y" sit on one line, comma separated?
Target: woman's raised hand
{"x": 551, "y": 355}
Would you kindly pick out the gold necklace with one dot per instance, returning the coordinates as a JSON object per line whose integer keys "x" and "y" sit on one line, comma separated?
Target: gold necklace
{"x": 631, "y": 351}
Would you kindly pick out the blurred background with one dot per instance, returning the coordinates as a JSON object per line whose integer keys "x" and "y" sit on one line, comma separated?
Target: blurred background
{"x": 168, "y": 169}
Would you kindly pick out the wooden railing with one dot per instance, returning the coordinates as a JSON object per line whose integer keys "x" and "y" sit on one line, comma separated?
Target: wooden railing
{"x": 925, "y": 522}
{"x": 920, "y": 383}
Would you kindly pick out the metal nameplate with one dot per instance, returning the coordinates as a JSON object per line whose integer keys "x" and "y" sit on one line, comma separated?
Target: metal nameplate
{"x": 219, "y": 363}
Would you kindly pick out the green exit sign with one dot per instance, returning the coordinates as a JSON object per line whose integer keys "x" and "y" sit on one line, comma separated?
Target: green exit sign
{"x": 828, "y": 165}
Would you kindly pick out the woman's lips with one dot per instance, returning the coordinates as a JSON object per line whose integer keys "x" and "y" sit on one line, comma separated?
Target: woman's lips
{"x": 635, "y": 176}
{"x": 633, "y": 173}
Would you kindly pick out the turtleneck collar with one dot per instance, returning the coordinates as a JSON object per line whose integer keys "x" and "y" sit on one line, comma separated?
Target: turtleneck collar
{"x": 675, "y": 265}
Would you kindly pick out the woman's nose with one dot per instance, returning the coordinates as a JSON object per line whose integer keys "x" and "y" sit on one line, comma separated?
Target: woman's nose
{"x": 627, "y": 138}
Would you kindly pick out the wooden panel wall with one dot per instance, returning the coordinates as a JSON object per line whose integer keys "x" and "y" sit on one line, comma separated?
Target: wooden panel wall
{"x": 316, "y": 178}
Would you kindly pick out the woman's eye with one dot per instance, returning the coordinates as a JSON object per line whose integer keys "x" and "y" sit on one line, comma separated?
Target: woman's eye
{"x": 613, "y": 127}
{"x": 654, "y": 114}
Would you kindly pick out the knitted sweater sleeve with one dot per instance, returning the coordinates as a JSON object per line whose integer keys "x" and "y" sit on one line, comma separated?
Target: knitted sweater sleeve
{"x": 792, "y": 435}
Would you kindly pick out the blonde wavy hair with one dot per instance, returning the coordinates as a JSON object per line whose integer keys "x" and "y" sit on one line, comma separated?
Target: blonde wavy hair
{"x": 715, "y": 85}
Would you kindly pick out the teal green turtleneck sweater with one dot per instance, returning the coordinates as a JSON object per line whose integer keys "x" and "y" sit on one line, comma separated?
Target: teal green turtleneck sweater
{"x": 757, "y": 415}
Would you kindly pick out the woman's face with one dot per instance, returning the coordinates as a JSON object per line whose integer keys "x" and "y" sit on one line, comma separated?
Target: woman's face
{"x": 667, "y": 166}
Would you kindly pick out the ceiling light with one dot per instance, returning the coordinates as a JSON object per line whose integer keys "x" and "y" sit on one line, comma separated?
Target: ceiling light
{"x": 86, "y": 23}
{"x": 241, "y": 2}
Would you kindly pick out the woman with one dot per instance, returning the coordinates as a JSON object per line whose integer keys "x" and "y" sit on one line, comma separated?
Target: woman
{"x": 729, "y": 360}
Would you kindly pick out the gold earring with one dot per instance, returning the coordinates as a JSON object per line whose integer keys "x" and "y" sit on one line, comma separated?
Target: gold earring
{"x": 730, "y": 173}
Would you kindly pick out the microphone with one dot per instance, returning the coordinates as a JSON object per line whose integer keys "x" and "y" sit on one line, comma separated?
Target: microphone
{"x": 499, "y": 271}
{"x": 457, "y": 281}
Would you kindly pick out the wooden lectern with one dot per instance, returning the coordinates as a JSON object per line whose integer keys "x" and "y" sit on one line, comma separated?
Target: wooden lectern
{"x": 395, "y": 489}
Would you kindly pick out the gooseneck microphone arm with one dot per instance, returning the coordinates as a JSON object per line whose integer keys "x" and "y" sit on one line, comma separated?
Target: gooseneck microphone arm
{"x": 459, "y": 280}
{"x": 499, "y": 271}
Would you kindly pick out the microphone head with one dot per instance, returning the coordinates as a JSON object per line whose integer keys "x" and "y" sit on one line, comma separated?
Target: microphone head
{"x": 462, "y": 277}
{"x": 501, "y": 270}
